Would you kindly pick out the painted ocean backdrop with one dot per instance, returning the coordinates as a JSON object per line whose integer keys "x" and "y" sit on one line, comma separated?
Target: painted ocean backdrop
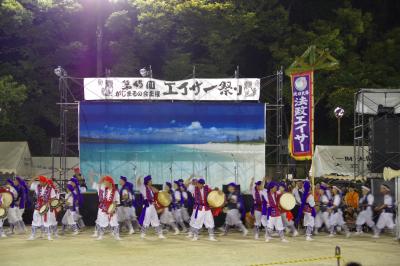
{"x": 221, "y": 142}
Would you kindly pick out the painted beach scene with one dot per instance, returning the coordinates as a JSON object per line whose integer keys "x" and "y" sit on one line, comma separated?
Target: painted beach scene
{"x": 221, "y": 142}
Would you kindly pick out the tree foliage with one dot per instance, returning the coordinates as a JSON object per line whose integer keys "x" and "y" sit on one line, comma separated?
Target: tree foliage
{"x": 175, "y": 35}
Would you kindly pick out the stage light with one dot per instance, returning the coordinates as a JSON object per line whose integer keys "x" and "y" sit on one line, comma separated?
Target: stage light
{"x": 143, "y": 72}
{"x": 60, "y": 72}
{"x": 146, "y": 73}
{"x": 339, "y": 112}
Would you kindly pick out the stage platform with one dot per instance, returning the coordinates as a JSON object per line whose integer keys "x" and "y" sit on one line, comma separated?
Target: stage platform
{"x": 178, "y": 250}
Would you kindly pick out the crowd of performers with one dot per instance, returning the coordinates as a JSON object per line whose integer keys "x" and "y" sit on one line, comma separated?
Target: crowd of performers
{"x": 325, "y": 209}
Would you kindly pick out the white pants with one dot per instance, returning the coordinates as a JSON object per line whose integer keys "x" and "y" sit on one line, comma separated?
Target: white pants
{"x": 385, "y": 220}
{"x": 233, "y": 217}
{"x": 104, "y": 220}
{"x": 166, "y": 217}
{"x": 126, "y": 213}
{"x": 20, "y": 214}
{"x": 203, "y": 217}
{"x": 260, "y": 219}
{"x": 365, "y": 216}
{"x": 151, "y": 217}
{"x": 69, "y": 218}
{"x": 336, "y": 219}
{"x": 39, "y": 220}
{"x": 275, "y": 222}
{"x": 322, "y": 218}
{"x": 13, "y": 215}
{"x": 308, "y": 219}
{"x": 185, "y": 214}
{"x": 178, "y": 215}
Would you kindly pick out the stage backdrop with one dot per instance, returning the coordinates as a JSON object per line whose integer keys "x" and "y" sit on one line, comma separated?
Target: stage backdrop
{"x": 217, "y": 141}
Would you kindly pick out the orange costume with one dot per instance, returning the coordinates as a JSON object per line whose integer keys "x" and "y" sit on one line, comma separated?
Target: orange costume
{"x": 351, "y": 199}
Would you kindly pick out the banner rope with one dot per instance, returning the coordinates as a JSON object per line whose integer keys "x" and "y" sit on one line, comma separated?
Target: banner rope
{"x": 337, "y": 257}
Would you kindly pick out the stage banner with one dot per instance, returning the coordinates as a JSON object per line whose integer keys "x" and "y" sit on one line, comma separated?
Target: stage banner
{"x": 301, "y": 139}
{"x": 221, "y": 142}
{"x": 229, "y": 89}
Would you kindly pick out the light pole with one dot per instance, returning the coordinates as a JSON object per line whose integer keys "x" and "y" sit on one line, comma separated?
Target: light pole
{"x": 339, "y": 112}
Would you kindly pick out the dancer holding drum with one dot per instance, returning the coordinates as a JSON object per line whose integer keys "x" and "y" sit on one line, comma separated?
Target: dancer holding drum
{"x": 234, "y": 206}
{"x": 149, "y": 214}
{"x": 108, "y": 202}
{"x": 260, "y": 197}
{"x": 42, "y": 214}
{"x": 286, "y": 203}
{"x": 202, "y": 214}
{"x": 13, "y": 211}
{"x": 274, "y": 220}
{"x": 6, "y": 199}
{"x": 126, "y": 211}
{"x": 166, "y": 217}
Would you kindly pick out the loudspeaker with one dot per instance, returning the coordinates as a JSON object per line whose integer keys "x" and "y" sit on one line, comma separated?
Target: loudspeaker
{"x": 384, "y": 140}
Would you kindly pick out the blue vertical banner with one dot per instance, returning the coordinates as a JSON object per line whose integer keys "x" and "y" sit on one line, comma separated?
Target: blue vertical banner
{"x": 301, "y": 142}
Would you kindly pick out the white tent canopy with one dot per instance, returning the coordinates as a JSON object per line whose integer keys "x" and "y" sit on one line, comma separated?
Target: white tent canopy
{"x": 15, "y": 158}
{"x": 368, "y": 100}
{"x": 335, "y": 162}
{"x": 43, "y": 166}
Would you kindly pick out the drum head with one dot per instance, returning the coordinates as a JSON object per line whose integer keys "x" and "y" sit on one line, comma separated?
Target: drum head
{"x": 216, "y": 199}
{"x": 3, "y": 213}
{"x": 164, "y": 198}
{"x": 43, "y": 209}
{"x": 54, "y": 203}
{"x": 6, "y": 198}
{"x": 287, "y": 201}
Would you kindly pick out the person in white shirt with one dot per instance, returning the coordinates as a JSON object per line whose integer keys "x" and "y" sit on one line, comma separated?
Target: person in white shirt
{"x": 386, "y": 209}
{"x": 202, "y": 214}
{"x": 167, "y": 218}
{"x": 179, "y": 202}
{"x": 106, "y": 215}
{"x": 235, "y": 209}
{"x": 322, "y": 217}
{"x": 260, "y": 201}
{"x": 44, "y": 193}
{"x": 307, "y": 208}
{"x": 13, "y": 211}
{"x": 365, "y": 215}
{"x": 336, "y": 214}
{"x": 126, "y": 211}
{"x": 287, "y": 216}
{"x": 71, "y": 201}
{"x": 149, "y": 214}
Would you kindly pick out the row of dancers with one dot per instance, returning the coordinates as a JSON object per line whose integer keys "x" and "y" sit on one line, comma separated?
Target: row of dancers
{"x": 116, "y": 208}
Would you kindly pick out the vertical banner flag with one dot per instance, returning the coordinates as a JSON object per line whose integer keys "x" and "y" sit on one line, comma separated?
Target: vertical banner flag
{"x": 301, "y": 140}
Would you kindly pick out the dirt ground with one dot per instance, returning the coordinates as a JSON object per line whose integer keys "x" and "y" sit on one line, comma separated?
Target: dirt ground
{"x": 234, "y": 249}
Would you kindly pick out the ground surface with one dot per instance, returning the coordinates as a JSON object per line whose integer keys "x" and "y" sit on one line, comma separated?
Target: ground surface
{"x": 177, "y": 250}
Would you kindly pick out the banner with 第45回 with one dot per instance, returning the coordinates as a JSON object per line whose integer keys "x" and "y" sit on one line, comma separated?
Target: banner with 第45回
{"x": 225, "y": 89}
{"x": 301, "y": 139}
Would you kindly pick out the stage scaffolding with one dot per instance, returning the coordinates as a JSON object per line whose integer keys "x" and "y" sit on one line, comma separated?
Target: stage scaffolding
{"x": 271, "y": 94}
{"x": 366, "y": 102}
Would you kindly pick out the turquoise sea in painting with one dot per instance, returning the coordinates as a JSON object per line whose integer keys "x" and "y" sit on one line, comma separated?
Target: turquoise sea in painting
{"x": 220, "y": 142}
